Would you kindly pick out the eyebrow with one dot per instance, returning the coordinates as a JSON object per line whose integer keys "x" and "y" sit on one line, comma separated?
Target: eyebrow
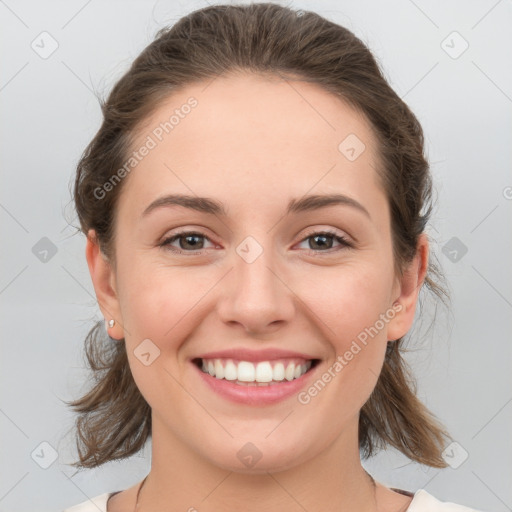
{"x": 211, "y": 206}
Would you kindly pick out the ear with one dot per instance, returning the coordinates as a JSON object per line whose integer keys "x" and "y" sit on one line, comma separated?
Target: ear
{"x": 103, "y": 279}
{"x": 409, "y": 285}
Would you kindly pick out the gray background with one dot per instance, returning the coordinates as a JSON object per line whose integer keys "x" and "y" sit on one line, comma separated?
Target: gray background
{"x": 49, "y": 113}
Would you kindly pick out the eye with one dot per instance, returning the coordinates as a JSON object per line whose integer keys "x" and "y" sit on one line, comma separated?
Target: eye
{"x": 190, "y": 241}
{"x": 191, "y": 238}
{"x": 323, "y": 241}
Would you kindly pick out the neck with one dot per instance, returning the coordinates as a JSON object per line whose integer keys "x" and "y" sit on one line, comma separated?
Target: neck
{"x": 181, "y": 479}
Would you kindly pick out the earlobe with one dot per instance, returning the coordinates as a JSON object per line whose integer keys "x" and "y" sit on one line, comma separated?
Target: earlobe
{"x": 409, "y": 285}
{"x": 103, "y": 279}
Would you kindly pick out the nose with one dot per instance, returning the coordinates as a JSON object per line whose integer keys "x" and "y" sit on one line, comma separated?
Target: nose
{"x": 256, "y": 296}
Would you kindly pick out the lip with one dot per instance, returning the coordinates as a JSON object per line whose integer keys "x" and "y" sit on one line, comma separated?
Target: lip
{"x": 243, "y": 354}
{"x": 255, "y": 395}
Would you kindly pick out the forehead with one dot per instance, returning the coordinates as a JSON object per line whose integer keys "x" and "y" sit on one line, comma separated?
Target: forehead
{"x": 254, "y": 133}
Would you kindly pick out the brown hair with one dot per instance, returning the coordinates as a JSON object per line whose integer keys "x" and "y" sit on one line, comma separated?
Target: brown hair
{"x": 114, "y": 420}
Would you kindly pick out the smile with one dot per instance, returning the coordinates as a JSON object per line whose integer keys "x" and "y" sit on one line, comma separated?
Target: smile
{"x": 255, "y": 383}
{"x": 262, "y": 373}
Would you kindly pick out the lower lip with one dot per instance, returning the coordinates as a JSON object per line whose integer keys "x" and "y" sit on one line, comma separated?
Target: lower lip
{"x": 255, "y": 395}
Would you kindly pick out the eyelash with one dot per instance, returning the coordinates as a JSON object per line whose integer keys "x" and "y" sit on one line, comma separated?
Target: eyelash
{"x": 339, "y": 238}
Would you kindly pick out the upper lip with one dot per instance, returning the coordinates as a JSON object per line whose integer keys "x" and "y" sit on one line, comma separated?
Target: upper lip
{"x": 243, "y": 354}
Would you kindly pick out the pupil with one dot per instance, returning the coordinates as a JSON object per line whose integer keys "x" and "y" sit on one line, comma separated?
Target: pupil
{"x": 321, "y": 237}
{"x": 188, "y": 237}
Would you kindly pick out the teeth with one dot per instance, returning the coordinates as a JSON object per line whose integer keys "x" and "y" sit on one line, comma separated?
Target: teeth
{"x": 246, "y": 372}
{"x": 230, "y": 371}
{"x": 289, "y": 372}
{"x": 263, "y": 372}
{"x": 219, "y": 369}
{"x": 278, "y": 372}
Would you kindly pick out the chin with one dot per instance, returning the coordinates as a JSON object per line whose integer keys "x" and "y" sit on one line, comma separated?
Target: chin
{"x": 257, "y": 458}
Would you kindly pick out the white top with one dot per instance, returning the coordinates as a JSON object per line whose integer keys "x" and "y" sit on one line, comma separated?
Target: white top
{"x": 421, "y": 502}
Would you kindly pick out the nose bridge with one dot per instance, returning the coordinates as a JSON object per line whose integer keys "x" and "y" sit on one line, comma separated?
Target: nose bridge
{"x": 257, "y": 296}
{"x": 253, "y": 261}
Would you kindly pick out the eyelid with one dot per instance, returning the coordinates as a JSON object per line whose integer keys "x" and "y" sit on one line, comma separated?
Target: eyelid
{"x": 188, "y": 230}
{"x": 330, "y": 231}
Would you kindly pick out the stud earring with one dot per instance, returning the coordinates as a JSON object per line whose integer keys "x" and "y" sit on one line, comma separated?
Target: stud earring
{"x": 111, "y": 322}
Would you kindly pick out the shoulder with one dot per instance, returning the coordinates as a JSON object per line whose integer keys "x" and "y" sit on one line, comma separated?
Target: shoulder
{"x": 425, "y": 502}
{"x": 97, "y": 504}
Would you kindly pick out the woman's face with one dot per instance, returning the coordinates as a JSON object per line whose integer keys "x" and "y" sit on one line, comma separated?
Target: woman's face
{"x": 254, "y": 277}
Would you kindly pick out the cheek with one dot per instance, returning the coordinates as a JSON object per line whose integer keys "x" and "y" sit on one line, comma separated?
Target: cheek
{"x": 350, "y": 300}
{"x": 158, "y": 304}
{"x": 154, "y": 297}
{"x": 350, "y": 309}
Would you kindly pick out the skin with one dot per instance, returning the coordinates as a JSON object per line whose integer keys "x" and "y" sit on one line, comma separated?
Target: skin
{"x": 254, "y": 142}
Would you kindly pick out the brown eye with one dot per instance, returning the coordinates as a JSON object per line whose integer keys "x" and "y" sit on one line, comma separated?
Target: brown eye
{"x": 188, "y": 241}
{"x": 323, "y": 241}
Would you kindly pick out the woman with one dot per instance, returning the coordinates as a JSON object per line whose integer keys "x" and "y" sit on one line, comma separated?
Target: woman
{"x": 255, "y": 205}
